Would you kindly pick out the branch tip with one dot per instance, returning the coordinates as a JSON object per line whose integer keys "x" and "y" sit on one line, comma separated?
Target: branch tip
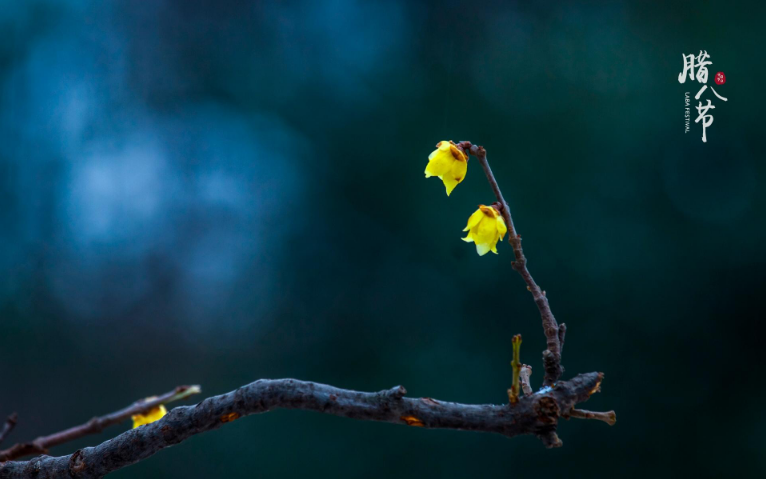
{"x": 562, "y": 336}
{"x": 597, "y": 387}
{"x": 609, "y": 417}
{"x": 513, "y": 393}
{"x": 524, "y": 375}
{"x": 182, "y": 392}
{"x": 10, "y": 423}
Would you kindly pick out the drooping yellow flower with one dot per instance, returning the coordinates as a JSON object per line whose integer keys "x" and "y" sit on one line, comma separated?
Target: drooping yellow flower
{"x": 485, "y": 228}
{"x": 154, "y": 414}
{"x": 449, "y": 163}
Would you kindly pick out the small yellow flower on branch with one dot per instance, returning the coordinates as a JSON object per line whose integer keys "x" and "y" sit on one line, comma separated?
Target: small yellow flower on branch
{"x": 485, "y": 228}
{"x": 154, "y": 414}
{"x": 449, "y": 163}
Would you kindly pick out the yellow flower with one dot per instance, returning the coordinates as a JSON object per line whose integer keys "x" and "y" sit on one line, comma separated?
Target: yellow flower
{"x": 485, "y": 227}
{"x": 449, "y": 163}
{"x": 154, "y": 414}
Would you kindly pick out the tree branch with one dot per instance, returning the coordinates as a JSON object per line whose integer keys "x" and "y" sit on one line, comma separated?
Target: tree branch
{"x": 525, "y": 373}
{"x": 10, "y": 423}
{"x": 608, "y": 417}
{"x": 552, "y": 355}
{"x": 537, "y": 414}
{"x": 95, "y": 425}
{"x": 534, "y": 413}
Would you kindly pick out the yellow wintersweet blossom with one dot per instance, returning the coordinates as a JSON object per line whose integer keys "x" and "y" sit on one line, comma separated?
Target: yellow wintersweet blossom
{"x": 449, "y": 163}
{"x": 154, "y": 414}
{"x": 485, "y": 228}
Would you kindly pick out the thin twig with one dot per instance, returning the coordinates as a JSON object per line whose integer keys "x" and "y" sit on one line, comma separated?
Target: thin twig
{"x": 525, "y": 373}
{"x": 536, "y": 414}
{"x": 562, "y": 336}
{"x": 10, "y": 423}
{"x": 513, "y": 393}
{"x": 552, "y": 355}
{"x": 95, "y": 425}
{"x": 609, "y": 417}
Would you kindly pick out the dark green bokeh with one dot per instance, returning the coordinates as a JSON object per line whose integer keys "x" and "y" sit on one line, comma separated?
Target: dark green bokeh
{"x": 343, "y": 265}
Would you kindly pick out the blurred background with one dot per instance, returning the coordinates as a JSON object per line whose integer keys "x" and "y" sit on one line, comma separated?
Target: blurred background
{"x": 216, "y": 192}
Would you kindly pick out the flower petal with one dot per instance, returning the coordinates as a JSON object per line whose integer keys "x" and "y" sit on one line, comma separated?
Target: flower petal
{"x": 501, "y": 228}
{"x": 485, "y": 231}
{"x": 493, "y": 246}
{"x": 474, "y": 220}
{"x": 149, "y": 417}
{"x": 449, "y": 183}
{"x": 440, "y": 162}
{"x": 482, "y": 248}
{"x": 458, "y": 170}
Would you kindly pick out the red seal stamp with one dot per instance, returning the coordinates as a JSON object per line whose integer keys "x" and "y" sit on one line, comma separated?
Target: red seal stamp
{"x": 720, "y": 78}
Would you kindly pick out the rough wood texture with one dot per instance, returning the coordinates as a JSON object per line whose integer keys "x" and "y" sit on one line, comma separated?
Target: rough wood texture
{"x": 537, "y": 414}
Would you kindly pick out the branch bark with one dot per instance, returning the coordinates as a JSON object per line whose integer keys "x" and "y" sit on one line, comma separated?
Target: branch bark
{"x": 537, "y": 414}
{"x": 552, "y": 355}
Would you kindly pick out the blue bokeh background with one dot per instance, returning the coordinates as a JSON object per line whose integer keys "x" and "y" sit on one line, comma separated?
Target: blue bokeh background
{"x": 216, "y": 192}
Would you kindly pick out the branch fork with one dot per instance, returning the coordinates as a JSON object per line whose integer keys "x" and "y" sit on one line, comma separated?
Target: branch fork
{"x": 554, "y": 333}
{"x": 95, "y": 425}
{"x": 534, "y": 413}
{"x": 552, "y": 356}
